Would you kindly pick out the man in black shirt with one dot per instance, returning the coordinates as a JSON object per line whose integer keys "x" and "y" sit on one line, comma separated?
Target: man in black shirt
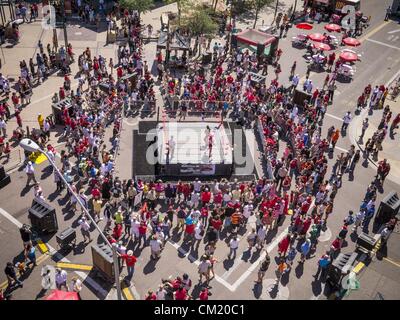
{"x": 12, "y": 275}
{"x": 26, "y": 236}
{"x": 212, "y": 235}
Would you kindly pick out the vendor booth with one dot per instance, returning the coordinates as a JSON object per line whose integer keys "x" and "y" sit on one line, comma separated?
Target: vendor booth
{"x": 178, "y": 43}
{"x": 256, "y": 41}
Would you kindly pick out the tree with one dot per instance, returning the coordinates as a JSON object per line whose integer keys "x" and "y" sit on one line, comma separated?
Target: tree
{"x": 199, "y": 22}
{"x": 257, "y": 5}
{"x": 181, "y": 4}
{"x": 141, "y": 6}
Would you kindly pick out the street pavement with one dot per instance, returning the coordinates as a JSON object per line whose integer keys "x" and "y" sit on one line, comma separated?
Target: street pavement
{"x": 234, "y": 280}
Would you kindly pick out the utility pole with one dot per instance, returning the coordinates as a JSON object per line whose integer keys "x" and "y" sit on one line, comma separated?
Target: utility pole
{"x": 65, "y": 29}
{"x": 167, "y": 47}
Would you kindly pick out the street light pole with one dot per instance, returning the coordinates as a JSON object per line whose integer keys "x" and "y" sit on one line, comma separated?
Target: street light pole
{"x": 29, "y": 145}
{"x": 65, "y": 30}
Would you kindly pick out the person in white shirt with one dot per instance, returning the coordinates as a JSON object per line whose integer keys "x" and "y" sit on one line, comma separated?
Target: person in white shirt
{"x": 294, "y": 112}
{"x": 262, "y": 232}
{"x": 61, "y": 279}
{"x": 198, "y": 235}
{"x": 359, "y": 219}
{"x": 155, "y": 246}
{"x": 85, "y": 227}
{"x": 247, "y": 210}
{"x": 30, "y": 172}
{"x": 295, "y": 81}
{"x": 195, "y": 197}
{"x": 160, "y": 293}
{"x": 135, "y": 224}
{"x": 197, "y": 185}
{"x": 204, "y": 268}
{"x": 76, "y": 285}
{"x": 3, "y": 127}
{"x": 233, "y": 246}
{"x": 346, "y": 120}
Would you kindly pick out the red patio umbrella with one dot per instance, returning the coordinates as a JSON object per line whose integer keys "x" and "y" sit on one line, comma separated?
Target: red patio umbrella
{"x": 322, "y": 46}
{"x": 351, "y": 42}
{"x": 333, "y": 27}
{"x": 316, "y": 37}
{"x": 62, "y": 295}
{"x": 304, "y": 26}
{"x": 348, "y": 56}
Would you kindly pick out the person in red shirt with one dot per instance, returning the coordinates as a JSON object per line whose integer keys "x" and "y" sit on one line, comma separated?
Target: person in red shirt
{"x": 216, "y": 223}
{"x": 181, "y": 294}
{"x": 18, "y": 118}
{"x": 117, "y": 231}
{"x": 119, "y": 72}
{"x": 61, "y": 93}
{"x": 142, "y": 233}
{"x": 130, "y": 260}
{"x": 205, "y": 197}
{"x": 204, "y": 294}
{"x": 283, "y": 246}
{"x": 150, "y": 296}
{"x": 335, "y": 247}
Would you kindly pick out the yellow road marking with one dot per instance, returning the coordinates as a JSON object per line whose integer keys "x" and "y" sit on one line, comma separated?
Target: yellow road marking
{"x": 392, "y": 262}
{"x": 373, "y": 31}
{"x": 74, "y": 266}
{"x": 127, "y": 292}
{"x": 359, "y": 267}
{"x": 377, "y": 246}
{"x": 42, "y": 246}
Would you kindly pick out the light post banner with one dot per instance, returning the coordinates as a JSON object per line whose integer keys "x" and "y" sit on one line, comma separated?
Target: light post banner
{"x": 138, "y": 199}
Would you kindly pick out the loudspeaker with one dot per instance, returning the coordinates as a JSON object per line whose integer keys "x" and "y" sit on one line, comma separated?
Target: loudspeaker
{"x": 2, "y": 173}
{"x": 388, "y": 208}
{"x": 102, "y": 258}
{"x": 5, "y": 179}
{"x": 43, "y": 216}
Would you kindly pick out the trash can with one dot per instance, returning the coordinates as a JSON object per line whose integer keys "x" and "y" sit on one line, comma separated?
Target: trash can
{"x": 66, "y": 238}
{"x": 43, "y": 217}
{"x": 388, "y": 208}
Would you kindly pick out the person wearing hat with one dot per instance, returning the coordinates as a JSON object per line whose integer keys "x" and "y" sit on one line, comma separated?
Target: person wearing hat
{"x": 30, "y": 172}
{"x": 85, "y": 229}
{"x": 130, "y": 260}
{"x": 76, "y": 286}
